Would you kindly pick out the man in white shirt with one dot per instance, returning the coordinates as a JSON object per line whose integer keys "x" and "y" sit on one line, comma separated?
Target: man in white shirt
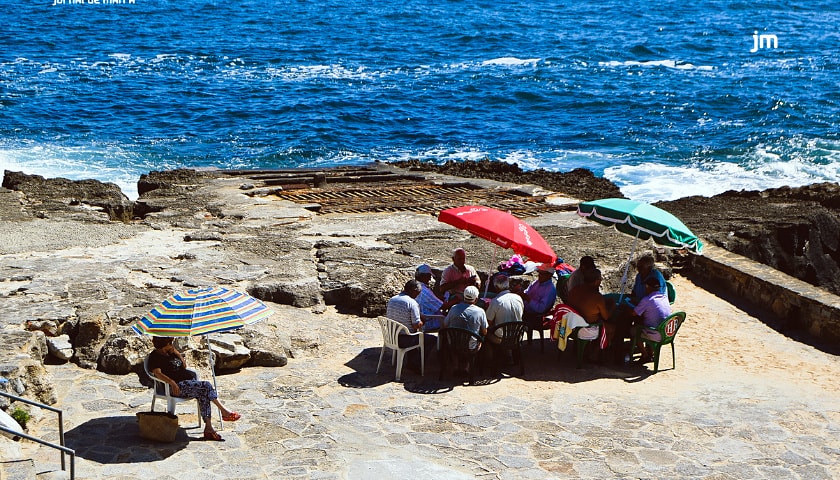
{"x": 403, "y": 307}
{"x": 505, "y": 306}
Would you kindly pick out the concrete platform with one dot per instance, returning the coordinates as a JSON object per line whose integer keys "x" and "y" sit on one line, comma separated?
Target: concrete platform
{"x": 744, "y": 402}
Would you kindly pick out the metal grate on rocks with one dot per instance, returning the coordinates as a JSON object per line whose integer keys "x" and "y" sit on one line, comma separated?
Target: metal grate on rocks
{"x": 417, "y": 198}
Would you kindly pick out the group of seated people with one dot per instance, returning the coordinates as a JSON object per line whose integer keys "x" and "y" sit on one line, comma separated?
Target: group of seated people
{"x": 646, "y": 305}
{"x": 454, "y": 303}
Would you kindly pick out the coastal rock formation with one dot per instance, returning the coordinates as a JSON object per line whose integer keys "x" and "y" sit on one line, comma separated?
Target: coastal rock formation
{"x": 84, "y": 199}
{"x": 579, "y": 183}
{"x": 22, "y": 364}
{"x": 794, "y": 230}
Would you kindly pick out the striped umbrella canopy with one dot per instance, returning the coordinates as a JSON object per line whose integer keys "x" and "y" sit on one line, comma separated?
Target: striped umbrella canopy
{"x": 641, "y": 220}
{"x": 201, "y": 311}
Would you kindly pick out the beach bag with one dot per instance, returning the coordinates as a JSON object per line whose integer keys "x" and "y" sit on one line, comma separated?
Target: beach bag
{"x": 158, "y": 426}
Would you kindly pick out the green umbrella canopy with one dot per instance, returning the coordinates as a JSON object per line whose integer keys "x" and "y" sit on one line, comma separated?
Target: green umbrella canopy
{"x": 641, "y": 220}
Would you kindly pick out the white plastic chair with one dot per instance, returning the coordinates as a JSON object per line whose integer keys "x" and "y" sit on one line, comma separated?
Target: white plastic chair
{"x": 391, "y": 331}
{"x": 160, "y": 389}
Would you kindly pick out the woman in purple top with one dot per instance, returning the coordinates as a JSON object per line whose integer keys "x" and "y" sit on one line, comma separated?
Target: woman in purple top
{"x": 652, "y": 309}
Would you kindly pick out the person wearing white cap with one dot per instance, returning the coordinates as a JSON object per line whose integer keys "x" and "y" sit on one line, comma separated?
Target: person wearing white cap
{"x": 430, "y": 304}
{"x": 469, "y": 316}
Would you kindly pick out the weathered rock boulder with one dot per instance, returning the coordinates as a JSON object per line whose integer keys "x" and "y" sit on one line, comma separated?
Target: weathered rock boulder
{"x": 21, "y": 362}
{"x": 299, "y": 292}
{"x": 86, "y": 198}
{"x": 49, "y": 327}
{"x": 268, "y": 348}
{"x": 360, "y": 280}
{"x": 173, "y": 197}
{"x": 60, "y": 347}
{"x": 229, "y": 350}
{"x": 92, "y": 330}
{"x": 123, "y": 352}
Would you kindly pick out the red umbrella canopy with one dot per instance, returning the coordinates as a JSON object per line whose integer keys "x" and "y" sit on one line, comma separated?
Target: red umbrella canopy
{"x": 501, "y": 228}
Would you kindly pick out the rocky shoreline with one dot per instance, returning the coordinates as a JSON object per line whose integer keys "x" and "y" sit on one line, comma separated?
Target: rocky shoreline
{"x": 81, "y": 262}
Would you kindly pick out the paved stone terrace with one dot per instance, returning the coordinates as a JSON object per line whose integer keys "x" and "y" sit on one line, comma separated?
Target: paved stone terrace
{"x": 744, "y": 402}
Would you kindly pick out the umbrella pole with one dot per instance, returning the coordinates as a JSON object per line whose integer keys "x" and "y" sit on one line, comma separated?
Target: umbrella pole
{"x": 627, "y": 266}
{"x": 213, "y": 373}
{"x": 490, "y": 272}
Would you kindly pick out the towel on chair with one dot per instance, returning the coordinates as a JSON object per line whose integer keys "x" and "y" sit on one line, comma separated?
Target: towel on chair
{"x": 564, "y": 328}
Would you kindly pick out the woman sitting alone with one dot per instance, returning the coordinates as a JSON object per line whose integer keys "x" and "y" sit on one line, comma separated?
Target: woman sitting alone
{"x": 167, "y": 364}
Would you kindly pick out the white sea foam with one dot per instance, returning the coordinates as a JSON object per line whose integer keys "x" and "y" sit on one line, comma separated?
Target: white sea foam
{"x": 675, "y": 64}
{"x": 653, "y": 181}
{"x": 511, "y": 61}
{"x": 75, "y": 163}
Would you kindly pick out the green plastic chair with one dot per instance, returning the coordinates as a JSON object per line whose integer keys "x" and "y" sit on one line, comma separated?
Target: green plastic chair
{"x": 667, "y": 331}
{"x": 580, "y": 343}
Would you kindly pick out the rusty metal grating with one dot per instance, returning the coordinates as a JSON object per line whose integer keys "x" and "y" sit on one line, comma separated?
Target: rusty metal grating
{"x": 414, "y": 197}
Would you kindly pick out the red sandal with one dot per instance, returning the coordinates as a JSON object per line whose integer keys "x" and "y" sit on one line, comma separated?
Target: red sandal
{"x": 213, "y": 436}
{"x": 231, "y": 417}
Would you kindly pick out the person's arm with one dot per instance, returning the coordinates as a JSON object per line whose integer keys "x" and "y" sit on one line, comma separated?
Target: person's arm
{"x": 180, "y": 357}
{"x": 173, "y": 385}
{"x": 447, "y": 283}
{"x": 474, "y": 279}
{"x": 416, "y": 317}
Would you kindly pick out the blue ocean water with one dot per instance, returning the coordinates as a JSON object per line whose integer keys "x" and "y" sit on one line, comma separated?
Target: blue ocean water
{"x": 666, "y": 98}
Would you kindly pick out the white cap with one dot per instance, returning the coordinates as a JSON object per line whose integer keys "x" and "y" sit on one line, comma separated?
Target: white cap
{"x": 470, "y": 294}
{"x": 424, "y": 269}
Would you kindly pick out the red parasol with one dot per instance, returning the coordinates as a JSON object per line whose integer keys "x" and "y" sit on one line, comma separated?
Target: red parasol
{"x": 501, "y": 228}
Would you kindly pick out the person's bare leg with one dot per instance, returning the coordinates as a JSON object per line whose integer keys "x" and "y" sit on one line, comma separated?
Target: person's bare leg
{"x": 225, "y": 411}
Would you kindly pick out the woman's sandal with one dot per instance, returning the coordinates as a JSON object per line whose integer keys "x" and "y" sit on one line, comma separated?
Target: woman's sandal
{"x": 213, "y": 436}
{"x": 231, "y": 417}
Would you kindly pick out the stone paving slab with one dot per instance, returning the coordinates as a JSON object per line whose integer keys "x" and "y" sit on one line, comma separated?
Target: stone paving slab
{"x": 752, "y": 406}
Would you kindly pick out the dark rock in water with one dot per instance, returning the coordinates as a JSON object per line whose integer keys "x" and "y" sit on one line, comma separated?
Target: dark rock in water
{"x": 86, "y": 197}
{"x": 578, "y": 183}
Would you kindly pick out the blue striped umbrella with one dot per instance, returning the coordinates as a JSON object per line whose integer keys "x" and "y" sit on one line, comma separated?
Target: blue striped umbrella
{"x": 201, "y": 311}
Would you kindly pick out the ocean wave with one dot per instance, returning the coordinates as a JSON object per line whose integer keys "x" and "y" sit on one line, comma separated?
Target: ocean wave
{"x": 673, "y": 64}
{"x": 107, "y": 164}
{"x": 794, "y": 163}
{"x": 511, "y": 61}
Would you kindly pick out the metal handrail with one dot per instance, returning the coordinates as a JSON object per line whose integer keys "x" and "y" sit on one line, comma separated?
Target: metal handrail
{"x": 62, "y": 448}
